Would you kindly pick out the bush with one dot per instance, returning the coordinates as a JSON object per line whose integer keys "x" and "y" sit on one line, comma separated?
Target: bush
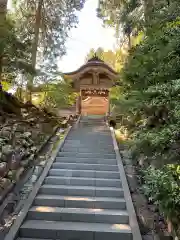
{"x": 151, "y": 95}
{"x": 162, "y": 186}
{"x": 150, "y": 107}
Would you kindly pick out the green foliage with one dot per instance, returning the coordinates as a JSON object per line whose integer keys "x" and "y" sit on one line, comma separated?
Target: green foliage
{"x": 98, "y": 52}
{"x": 160, "y": 59}
{"x": 148, "y": 103}
{"x": 125, "y": 16}
{"x": 6, "y": 85}
{"x": 151, "y": 93}
{"x": 13, "y": 52}
{"x": 162, "y": 186}
{"x": 109, "y": 57}
{"x": 45, "y": 24}
{"x": 57, "y": 95}
{"x": 32, "y": 39}
{"x": 56, "y": 19}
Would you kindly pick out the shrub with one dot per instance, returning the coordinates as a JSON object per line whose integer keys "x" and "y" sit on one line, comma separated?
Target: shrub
{"x": 162, "y": 186}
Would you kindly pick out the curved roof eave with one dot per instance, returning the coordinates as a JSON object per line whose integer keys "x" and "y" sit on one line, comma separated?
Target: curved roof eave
{"x": 90, "y": 64}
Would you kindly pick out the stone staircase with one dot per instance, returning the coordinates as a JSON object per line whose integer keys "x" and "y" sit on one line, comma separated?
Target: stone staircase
{"x": 82, "y": 197}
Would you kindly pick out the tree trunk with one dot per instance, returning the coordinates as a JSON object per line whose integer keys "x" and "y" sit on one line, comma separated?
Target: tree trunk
{"x": 0, "y": 74}
{"x": 35, "y": 46}
{"x": 129, "y": 41}
{"x": 3, "y": 10}
{"x": 148, "y": 7}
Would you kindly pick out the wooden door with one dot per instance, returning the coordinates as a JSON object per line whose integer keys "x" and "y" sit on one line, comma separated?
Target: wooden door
{"x": 95, "y": 106}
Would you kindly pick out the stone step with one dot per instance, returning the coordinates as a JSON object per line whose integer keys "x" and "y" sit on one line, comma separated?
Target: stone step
{"x": 91, "y": 135}
{"x": 86, "y": 155}
{"x": 77, "y": 181}
{"x": 91, "y": 124}
{"x": 84, "y": 166}
{"x": 81, "y": 191}
{"x": 90, "y": 140}
{"x": 75, "y": 230}
{"x": 80, "y": 202}
{"x": 33, "y": 239}
{"x": 88, "y": 137}
{"x": 87, "y": 160}
{"x": 88, "y": 146}
{"x": 91, "y": 143}
{"x": 77, "y": 142}
{"x": 89, "y": 131}
{"x": 84, "y": 173}
{"x": 82, "y": 197}
{"x": 78, "y": 215}
{"x": 87, "y": 150}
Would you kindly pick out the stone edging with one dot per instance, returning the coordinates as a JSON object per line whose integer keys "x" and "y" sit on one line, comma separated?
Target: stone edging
{"x": 13, "y": 185}
{"x": 20, "y": 218}
{"x": 77, "y": 122}
{"x": 130, "y": 207}
{"x": 46, "y": 141}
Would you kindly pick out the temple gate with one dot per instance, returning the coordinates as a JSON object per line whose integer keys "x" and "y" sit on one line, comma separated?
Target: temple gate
{"x": 93, "y": 81}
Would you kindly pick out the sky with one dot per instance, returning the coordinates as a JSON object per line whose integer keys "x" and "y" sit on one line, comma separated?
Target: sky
{"x": 89, "y": 34}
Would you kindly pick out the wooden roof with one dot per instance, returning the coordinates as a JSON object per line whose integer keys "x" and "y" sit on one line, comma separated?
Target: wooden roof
{"x": 93, "y": 62}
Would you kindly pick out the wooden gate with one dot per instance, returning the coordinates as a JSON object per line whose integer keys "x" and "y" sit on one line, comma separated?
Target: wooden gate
{"x": 94, "y": 106}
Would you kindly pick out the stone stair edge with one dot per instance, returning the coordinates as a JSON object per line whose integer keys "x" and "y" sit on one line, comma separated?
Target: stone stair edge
{"x": 94, "y": 199}
{"x": 95, "y": 227}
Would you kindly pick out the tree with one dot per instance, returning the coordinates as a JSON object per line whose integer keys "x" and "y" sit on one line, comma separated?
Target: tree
{"x": 47, "y": 24}
{"x": 90, "y": 54}
{"x": 3, "y": 9}
{"x": 109, "y": 57}
{"x": 57, "y": 95}
{"x": 14, "y": 53}
{"x": 148, "y": 103}
{"x": 124, "y": 16}
{"x": 131, "y": 16}
{"x": 98, "y": 52}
